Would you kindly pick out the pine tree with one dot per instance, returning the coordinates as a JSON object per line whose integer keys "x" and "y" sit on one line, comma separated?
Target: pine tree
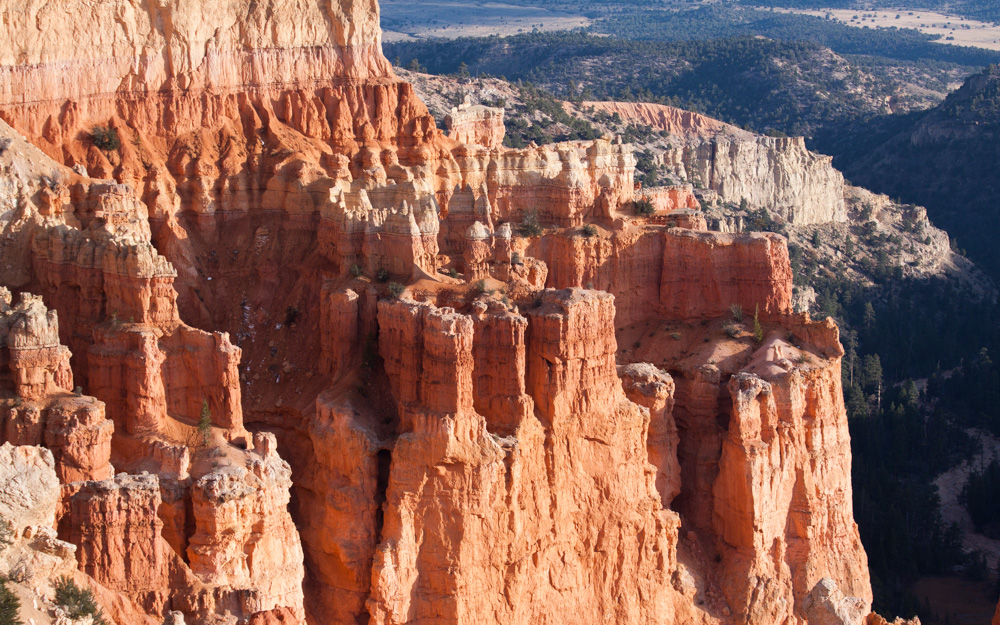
{"x": 758, "y": 330}
{"x": 205, "y": 422}
{"x": 78, "y": 602}
{"x": 869, "y": 316}
{"x": 10, "y": 605}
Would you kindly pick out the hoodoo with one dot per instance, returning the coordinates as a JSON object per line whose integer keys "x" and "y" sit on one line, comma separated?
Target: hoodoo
{"x": 301, "y": 357}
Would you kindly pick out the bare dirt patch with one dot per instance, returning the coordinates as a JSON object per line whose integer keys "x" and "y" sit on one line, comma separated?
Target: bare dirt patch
{"x": 955, "y": 30}
{"x": 405, "y": 19}
{"x": 949, "y": 485}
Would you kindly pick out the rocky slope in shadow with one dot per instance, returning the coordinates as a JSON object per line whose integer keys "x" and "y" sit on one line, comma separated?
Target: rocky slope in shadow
{"x": 944, "y": 158}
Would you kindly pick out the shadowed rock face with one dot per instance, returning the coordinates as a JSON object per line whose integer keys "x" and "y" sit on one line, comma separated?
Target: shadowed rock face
{"x": 359, "y": 371}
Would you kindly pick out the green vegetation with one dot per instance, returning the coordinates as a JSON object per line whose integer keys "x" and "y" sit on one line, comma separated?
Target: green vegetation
{"x": 105, "y": 138}
{"x": 10, "y": 605}
{"x": 711, "y": 60}
{"x": 382, "y": 275}
{"x": 758, "y": 330}
{"x": 951, "y": 169}
{"x": 646, "y": 170}
{"x": 722, "y": 20}
{"x": 588, "y": 230}
{"x": 396, "y": 290}
{"x": 761, "y": 221}
{"x": 737, "y": 312}
{"x": 530, "y": 226}
{"x": 643, "y": 207}
{"x": 205, "y": 423}
{"x": 78, "y": 602}
{"x": 541, "y": 119}
{"x": 6, "y": 534}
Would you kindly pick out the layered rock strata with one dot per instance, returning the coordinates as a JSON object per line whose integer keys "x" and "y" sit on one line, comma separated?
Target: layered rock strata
{"x": 678, "y": 273}
{"x": 547, "y": 552}
{"x": 498, "y": 395}
{"x": 42, "y": 409}
{"x": 33, "y": 557}
{"x": 581, "y": 421}
{"x": 171, "y": 407}
{"x": 474, "y": 123}
{"x": 779, "y": 174}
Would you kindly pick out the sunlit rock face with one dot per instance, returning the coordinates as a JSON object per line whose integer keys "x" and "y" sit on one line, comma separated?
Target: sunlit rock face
{"x": 300, "y": 357}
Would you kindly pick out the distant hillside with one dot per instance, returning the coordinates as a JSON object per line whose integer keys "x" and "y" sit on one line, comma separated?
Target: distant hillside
{"x": 986, "y": 10}
{"x": 767, "y": 85}
{"x": 724, "y": 20}
{"x": 946, "y": 159}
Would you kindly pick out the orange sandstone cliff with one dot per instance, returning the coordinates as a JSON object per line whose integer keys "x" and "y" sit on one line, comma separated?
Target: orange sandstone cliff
{"x": 300, "y": 357}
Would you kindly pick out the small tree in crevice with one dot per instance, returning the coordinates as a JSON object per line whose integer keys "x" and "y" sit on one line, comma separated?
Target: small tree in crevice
{"x": 758, "y": 330}
{"x": 78, "y": 602}
{"x": 6, "y": 534}
{"x": 530, "y": 225}
{"x": 643, "y": 207}
{"x": 205, "y": 423}
{"x": 10, "y": 605}
{"x": 396, "y": 290}
{"x": 105, "y": 138}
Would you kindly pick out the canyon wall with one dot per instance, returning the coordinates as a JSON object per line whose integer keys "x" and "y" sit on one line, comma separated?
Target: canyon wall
{"x": 300, "y": 357}
{"x": 776, "y": 173}
{"x": 481, "y": 125}
{"x": 162, "y": 498}
{"x": 675, "y": 273}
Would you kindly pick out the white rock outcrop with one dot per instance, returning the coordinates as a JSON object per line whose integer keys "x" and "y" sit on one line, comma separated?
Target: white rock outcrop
{"x": 29, "y": 488}
{"x": 779, "y": 174}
